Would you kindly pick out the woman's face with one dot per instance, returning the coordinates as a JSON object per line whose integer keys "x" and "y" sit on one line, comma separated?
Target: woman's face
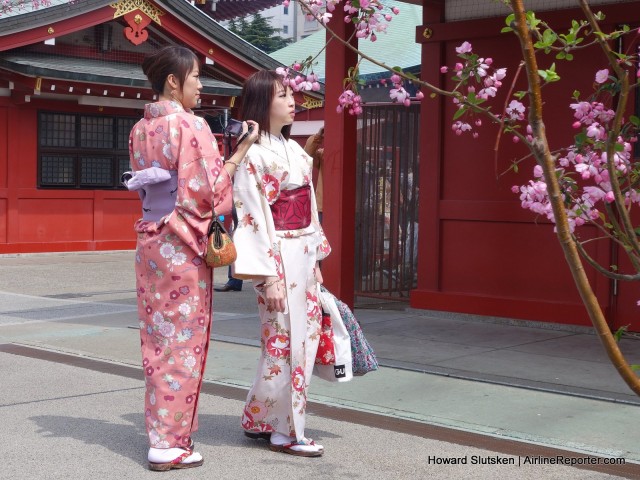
{"x": 191, "y": 88}
{"x": 283, "y": 108}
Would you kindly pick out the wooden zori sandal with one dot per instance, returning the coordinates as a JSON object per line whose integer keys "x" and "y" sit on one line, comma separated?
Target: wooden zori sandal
{"x": 258, "y": 435}
{"x": 304, "y": 448}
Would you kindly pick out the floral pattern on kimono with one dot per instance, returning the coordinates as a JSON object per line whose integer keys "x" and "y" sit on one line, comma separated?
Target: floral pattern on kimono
{"x": 278, "y": 398}
{"x": 174, "y": 284}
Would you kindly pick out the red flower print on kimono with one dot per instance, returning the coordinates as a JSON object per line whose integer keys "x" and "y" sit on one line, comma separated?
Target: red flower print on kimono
{"x": 257, "y": 410}
{"x": 270, "y": 187}
{"x": 313, "y": 307}
{"x": 278, "y": 346}
{"x": 297, "y": 379}
{"x": 247, "y": 420}
{"x": 246, "y": 220}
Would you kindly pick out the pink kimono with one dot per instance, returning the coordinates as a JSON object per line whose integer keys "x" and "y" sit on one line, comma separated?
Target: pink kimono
{"x": 174, "y": 285}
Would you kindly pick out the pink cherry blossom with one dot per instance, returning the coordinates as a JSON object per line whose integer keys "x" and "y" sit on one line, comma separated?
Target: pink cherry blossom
{"x": 464, "y": 48}
{"x": 398, "y": 94}
{"x": 602, "y": 75}
{"x": 515, "y": 110}
{"x": 537, "y": 171}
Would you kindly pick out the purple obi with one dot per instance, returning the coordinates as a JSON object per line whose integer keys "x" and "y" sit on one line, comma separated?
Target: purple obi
{"x": 157, "y": 189}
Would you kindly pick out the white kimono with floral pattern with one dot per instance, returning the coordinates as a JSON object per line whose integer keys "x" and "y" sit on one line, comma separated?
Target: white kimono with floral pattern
{"x": 277, "y": 400}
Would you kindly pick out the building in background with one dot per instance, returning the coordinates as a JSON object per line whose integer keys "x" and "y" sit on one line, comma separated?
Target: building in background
{"x": 291, "y": 22}
{"x": 71, "y": 87}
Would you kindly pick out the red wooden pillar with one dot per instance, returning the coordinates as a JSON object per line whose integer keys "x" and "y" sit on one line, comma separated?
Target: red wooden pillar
{"x": 431, "y": 124}
{"x": 339, "y": 169}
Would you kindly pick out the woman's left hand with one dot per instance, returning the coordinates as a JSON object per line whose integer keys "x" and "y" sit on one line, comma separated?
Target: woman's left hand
{"x": 318, "y": 274}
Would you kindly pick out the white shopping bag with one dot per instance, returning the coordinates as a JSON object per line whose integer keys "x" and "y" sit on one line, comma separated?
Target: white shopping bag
{"x": 342, "y": 371}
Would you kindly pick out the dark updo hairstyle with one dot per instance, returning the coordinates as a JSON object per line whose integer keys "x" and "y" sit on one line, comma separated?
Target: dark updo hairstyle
{"x": 257, "y": 94}
{"x": 166, "y": 61}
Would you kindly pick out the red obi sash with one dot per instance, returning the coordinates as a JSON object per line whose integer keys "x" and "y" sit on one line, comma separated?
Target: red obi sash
{"x": 292, "y": 209}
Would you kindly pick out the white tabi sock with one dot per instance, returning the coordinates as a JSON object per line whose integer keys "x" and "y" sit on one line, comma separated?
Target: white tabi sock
{"x": 166, "y": 455}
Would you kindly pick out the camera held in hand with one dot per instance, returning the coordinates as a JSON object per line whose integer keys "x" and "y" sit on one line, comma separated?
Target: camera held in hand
{"x": 233, "y": 128}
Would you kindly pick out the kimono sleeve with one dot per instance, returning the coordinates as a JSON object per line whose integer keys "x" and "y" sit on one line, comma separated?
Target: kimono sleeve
{"x": 323, "y": 249}
{"x": 254, "y": 236}
{"x": 202, "y": 182}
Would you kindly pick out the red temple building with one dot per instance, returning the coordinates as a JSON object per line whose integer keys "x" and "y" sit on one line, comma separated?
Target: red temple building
{"x": 478, "y": 252}
{"x": 412, "y": 211}
{"x": 71, "y": 87}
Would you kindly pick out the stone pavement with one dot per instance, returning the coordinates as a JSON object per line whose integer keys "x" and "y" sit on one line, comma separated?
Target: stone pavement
{"x": 493, "y": 389}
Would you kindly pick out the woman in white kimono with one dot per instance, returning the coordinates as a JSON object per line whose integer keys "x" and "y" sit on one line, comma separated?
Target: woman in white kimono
{"x": 279, "y": 242}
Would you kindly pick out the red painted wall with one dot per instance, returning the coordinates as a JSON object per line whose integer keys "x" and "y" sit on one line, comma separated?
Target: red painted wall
{"x": 46, "y": 220}
{"x": 481, "y": 253}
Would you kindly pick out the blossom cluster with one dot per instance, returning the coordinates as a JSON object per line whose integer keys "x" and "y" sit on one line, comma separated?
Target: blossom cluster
{"x": 587, "y": 160}
{"x": 399, "y": 94}
{"x": 477, "y": 81}
{"x": 291, "y": 77}
{"x": 367, "y": 16}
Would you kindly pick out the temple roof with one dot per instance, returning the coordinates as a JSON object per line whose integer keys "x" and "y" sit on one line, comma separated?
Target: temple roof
{"x": 94, "y": 71}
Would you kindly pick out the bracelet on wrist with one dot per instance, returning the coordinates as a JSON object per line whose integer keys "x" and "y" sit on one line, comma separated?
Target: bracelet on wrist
{"x": 231, "y": 161}
{"x": 268, "y": 284}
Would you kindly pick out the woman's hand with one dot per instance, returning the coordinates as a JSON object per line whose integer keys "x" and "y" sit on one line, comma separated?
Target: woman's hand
{"x": 255, "y": 132}
{"x": 318, "y": 273}
{"x": 241, "y": 151}
{"x": 275, "y": 295}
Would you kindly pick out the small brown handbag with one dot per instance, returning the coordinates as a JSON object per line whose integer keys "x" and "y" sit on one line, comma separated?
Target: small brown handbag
{"x": 220, "y": 248}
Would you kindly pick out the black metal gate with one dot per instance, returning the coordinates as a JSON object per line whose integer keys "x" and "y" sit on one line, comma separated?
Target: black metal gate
{"x": 387, "y": 202}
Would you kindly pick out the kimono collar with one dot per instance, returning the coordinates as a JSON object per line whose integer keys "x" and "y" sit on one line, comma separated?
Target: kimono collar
{"x": 272, "y": 139}
{"x": 162, "y": 108}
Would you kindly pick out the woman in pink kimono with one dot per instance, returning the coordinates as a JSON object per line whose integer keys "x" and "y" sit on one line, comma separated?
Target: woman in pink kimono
{"x": 179, "y": 175}
{"x": 280, "y": 243}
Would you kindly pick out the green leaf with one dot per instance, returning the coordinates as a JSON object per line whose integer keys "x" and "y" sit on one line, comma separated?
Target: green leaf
{"x": 411, "y": 76}
{"x": 549, "y": 75}
{"x": 635, "y": 368}
{"x": 459, "y": 113}
{"x": 635, "y": 120}
{"x": 510, "y": 19}
{"x": 618, "y": 334}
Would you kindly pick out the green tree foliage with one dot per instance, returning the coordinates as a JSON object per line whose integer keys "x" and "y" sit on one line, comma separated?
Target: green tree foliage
{"x": 259, "y": 33}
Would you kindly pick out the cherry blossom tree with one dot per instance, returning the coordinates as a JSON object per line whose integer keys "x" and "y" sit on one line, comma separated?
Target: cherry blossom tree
{"x": 594, "y": 181}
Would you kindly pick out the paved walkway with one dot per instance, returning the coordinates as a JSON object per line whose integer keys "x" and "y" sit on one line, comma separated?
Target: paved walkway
{"x": 488, "y": 381}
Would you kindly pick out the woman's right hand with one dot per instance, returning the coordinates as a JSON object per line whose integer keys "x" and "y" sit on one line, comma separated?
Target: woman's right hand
{"x": 255, "y": 132}
{"x": 275, "y": 296}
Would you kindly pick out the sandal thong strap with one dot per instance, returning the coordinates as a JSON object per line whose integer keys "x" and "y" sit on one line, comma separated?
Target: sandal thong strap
{"x": 182, "y": 457}
{"x": 304, "y": 443}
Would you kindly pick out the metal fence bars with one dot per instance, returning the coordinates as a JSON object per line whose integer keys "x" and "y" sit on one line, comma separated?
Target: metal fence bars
{"x": 387, "y": 202}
